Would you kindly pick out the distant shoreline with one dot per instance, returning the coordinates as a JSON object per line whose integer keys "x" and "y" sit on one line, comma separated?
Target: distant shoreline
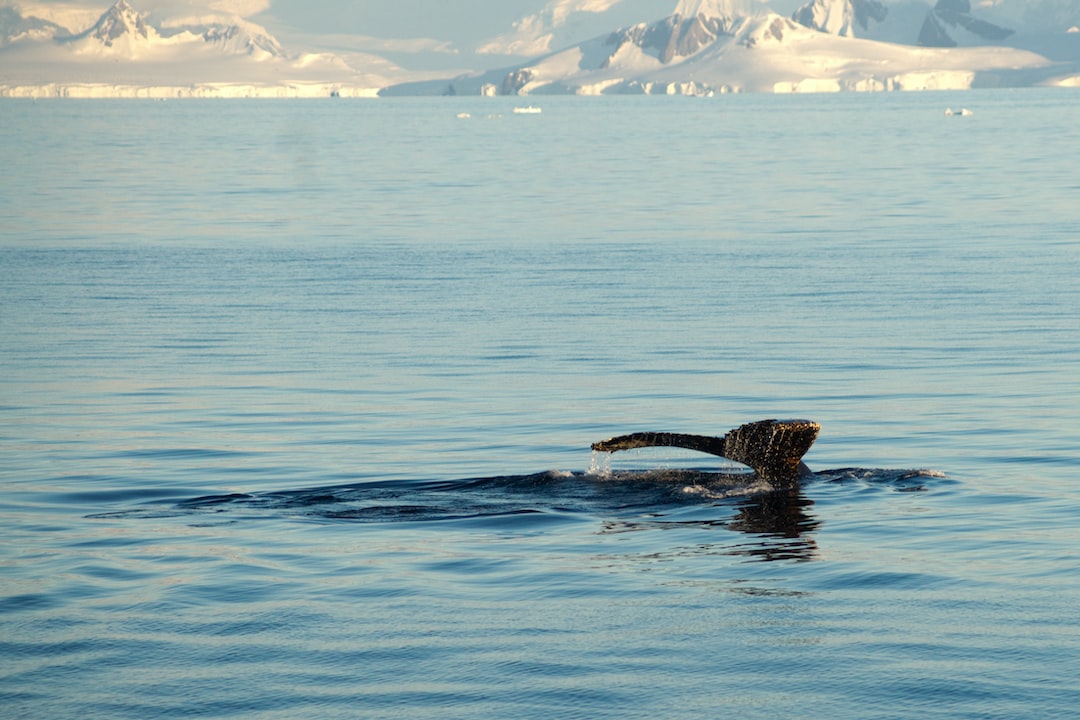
{"x": 302, "y": 91}
{"x": 92, "y": 91}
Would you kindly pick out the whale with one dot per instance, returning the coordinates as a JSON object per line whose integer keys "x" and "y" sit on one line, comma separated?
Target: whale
{"x": 772, "y": 448}
{"x": 770, "y": 502}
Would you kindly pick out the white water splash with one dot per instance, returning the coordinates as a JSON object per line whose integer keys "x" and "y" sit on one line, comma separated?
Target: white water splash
{"x": 600, "y": 464}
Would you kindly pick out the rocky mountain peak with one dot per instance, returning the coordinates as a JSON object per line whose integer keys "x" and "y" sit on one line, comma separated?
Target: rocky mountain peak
{"x": 711, "y": 8}
{"x": 694, "y": 25}
{"x": 849, "y": 18}
{"x": 951, "y": 17}
{"x": 119, "y": 20}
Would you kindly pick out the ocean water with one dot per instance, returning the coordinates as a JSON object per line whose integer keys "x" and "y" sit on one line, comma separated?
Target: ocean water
{"x": 296, "y": 401}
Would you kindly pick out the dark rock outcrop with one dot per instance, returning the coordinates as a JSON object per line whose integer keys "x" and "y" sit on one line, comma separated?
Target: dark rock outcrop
{"x": 815, "y": 13}
{"x": 957, "y": 14}
{"x": 514, "y": 81}
{"x": 673, "y": 37}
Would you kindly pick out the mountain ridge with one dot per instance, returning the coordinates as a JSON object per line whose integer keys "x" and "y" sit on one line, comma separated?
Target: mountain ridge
{"x": 701, "y": 47}
{"x": 766, "y": 52}
{"x": 219, "y": 55}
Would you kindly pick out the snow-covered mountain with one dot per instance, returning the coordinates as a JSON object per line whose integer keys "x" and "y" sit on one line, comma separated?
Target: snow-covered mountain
{"x": 123, "y": 32}
{"x": 124, "y": 53}
{"x": 707, "y": 47}
{"x": 119, "y": 24}
{"x": 698, "y": 47}
{"x": 949, "y": 23}
{"x": 945, "y": 23}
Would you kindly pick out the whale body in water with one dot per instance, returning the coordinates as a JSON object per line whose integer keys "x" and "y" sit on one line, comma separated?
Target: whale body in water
{"x": 772, "y": 448}
{"x": 769, "y": 502}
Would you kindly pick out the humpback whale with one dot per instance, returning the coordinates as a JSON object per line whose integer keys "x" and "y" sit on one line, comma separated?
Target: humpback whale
{"x": 772, "y": 448}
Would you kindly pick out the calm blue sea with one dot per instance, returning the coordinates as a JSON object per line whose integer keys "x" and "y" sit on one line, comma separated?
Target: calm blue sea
{"x": 296, "y": 400}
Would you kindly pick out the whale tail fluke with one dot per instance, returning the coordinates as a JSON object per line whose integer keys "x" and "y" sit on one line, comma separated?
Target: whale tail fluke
{"x": 773, "y": 448}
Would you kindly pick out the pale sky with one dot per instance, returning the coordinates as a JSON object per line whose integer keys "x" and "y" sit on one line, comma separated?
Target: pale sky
{"x": 462, "y": 23}
{"x": 459, "y": 21}
{"x": 467, "y": 20}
